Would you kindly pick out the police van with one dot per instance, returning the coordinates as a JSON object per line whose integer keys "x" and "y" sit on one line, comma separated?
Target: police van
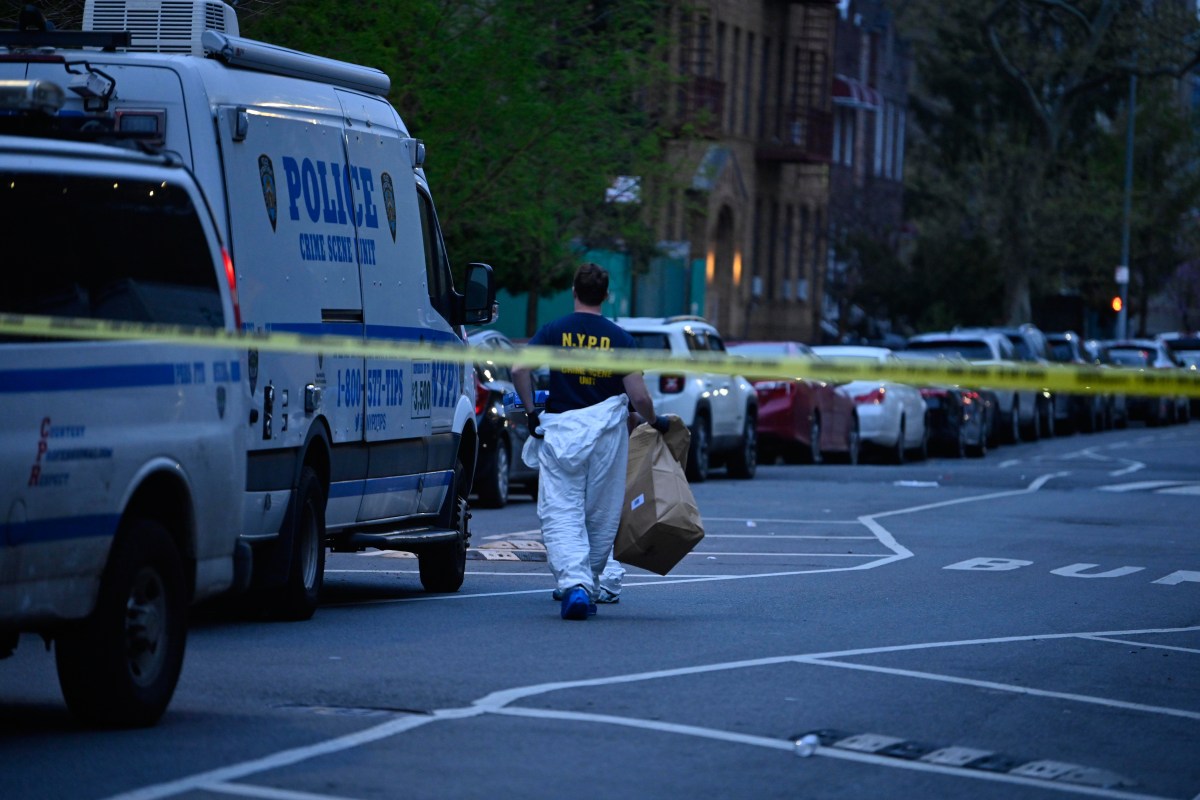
{"x": 321, "y": 197}
{"x": 118, "y": 459}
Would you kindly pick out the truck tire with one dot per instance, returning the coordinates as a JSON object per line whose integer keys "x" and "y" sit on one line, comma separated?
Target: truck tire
{"x": 119, "y": 667}
{"x": 300, "y": 594}
{"x": 743, "y": 463}
{"x": 444, "y": 566}
{"x": 698, "y": 451}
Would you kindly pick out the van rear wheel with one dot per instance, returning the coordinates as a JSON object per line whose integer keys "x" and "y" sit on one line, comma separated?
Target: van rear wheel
{"x": 119, "y": 667}
{"x": 443, "y": 566}
{"x": 301, "y": 592}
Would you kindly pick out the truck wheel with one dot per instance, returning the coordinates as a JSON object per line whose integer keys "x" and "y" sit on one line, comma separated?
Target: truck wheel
{"x": 118, "y": 668}
{"x": 444, "y": 566}
{"x": 744, "y": 462}
{"x": 697, "y": 464}
{"x": 298, "y": 598}
{"x": 493, "y": 484}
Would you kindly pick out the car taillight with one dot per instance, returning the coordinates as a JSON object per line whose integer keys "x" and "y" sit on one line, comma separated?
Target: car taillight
{"x": 231, "y": 279}
{"x": 874, "y": 397}
{"x": 671, "y": 384}
{"x": 481, "y": 394}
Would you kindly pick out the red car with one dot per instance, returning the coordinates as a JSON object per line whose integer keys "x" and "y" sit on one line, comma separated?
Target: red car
{"x": 799, "y": 419}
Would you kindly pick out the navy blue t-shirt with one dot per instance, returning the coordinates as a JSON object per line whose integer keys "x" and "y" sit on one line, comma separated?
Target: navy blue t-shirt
{"x": 574, "y": 388}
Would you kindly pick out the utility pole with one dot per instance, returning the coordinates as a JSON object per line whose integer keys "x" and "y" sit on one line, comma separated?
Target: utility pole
{"x": 1122, "y": 275}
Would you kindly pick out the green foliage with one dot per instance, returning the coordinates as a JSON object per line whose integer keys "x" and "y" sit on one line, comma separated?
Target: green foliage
{"x": 529, "y": 110}
{"x": 1019, "y": 148}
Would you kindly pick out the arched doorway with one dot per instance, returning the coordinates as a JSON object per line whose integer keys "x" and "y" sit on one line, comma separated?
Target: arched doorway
{"x": 721, "y": 300}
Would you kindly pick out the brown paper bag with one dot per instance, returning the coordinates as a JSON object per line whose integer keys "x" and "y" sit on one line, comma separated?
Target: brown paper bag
{"x": 660, "y": 523}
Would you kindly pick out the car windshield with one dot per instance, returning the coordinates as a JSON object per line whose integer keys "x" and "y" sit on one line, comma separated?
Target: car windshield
{"x": 761, "y": 349}
{"x": 651, "y": 341}
{"x": 1129, "y": 357}
{"x": 1060, "y": 351}
{"x": 969, "y": 349}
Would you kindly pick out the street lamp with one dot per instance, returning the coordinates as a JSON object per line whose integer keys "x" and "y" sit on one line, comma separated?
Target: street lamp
{"x": 1122, "y": 275}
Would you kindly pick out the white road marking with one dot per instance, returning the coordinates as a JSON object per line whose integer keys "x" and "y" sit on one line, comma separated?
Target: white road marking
{"x": 1181, "y": 490}
{"x": 761, "y": 520}
{"x": 246, "y": 790}
{"x": 796, "y": 555}
{"x": 1011, "y": 462}
{"x": 1143, "y": 644}
{"x": 498, "y": 702}
{"x": 781, "y": 536}
{"x": 1008, "y": 687}
{"x": 1138, "y": 486}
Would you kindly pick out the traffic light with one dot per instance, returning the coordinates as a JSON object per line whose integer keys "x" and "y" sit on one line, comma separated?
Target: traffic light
{"x": 1117, "y": 305}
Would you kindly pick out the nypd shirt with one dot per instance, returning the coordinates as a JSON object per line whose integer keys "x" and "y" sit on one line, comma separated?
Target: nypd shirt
{"x": 572, "y": 388}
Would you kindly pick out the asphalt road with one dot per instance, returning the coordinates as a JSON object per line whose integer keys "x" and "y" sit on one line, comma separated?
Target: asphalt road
{"x": 1025, "y": 625}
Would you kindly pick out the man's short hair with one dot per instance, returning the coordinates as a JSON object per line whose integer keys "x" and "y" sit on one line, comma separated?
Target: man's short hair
{"x": 591, "y": 284}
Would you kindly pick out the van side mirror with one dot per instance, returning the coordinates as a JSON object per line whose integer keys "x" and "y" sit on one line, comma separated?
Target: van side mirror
{"x": 479, "y": 295}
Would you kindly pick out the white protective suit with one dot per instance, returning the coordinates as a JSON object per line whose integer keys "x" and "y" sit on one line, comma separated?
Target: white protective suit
{"x": 582, "y": 462}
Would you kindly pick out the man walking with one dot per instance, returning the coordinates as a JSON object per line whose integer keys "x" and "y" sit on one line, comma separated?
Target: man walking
{"x": 584, "y": 444}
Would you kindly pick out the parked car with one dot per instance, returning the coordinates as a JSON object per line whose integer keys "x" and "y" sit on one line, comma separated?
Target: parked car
{"x": 891, "y": 415}
{"x": 1147, "y": 354}
{"x": 1088, "y": 412}
{"x": 959, "y": 418}
{"x": 1032, "y": 348}
{"x": 720, "y": 410}
{"x": 1186, "y": 348}
{"x": 502, "y": 433}
{"x": 1017, "y": 410}
{"x": 800, "y": 419}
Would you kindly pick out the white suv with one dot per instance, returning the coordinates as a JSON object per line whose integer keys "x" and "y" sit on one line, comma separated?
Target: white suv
{"x": 123, "y": 461}
{"x": 721, "y": 411}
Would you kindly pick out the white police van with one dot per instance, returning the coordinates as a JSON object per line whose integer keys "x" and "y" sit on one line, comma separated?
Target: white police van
{"x": 118, "y": 459}
{"x": 322, "y": 199}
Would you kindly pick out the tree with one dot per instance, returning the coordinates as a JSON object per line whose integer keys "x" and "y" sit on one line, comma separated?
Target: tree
{"x": 1008, "y": 141}
{"x": 529, "y": 110}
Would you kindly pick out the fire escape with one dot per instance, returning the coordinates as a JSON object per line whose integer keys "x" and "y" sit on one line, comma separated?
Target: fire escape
{"x": 799, "y": 124}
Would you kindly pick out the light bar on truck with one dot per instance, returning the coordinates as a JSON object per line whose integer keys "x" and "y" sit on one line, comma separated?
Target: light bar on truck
{"x": 27, "y": 95}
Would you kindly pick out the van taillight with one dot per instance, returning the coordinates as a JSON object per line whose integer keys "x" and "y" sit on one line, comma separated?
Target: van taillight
{"x": 481, "y": 394}
{"x": 671, "y": 384}
{"x": 231, "y": 279}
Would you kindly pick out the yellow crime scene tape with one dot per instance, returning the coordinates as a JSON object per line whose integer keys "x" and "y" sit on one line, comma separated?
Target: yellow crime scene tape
{"x": 1052, "y": 377}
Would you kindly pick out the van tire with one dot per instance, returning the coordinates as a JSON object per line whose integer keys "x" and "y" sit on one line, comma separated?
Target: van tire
{"x": 444, "y": 566}
{"x": 300, "y": 594}
{"x": 699, "y": 451}
{"x": 743, "y": 462}
{"x": 118, "y": 668}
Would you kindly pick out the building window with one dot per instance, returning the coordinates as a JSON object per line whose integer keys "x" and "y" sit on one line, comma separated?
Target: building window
{"x": 788, "y": 219}
{"x": 763, "y": 91}
{"x": 772, "y": 240}
{"x": 734, "y": 62}
{"x": 749, "y": 90}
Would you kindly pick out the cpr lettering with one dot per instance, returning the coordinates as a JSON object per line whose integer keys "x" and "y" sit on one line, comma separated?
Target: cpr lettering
{"x": 35, "y": 473}
{"x": 325, "y": 189}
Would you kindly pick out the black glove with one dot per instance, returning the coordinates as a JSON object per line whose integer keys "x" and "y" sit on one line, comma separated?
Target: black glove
{"x": 535, "y": 419}
{"x": 661, "y": 424}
